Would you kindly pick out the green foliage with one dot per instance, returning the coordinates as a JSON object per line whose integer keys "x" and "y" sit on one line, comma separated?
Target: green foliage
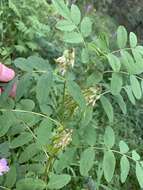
{"x": 21, "y": 23}
{"x": 69, "y": 126}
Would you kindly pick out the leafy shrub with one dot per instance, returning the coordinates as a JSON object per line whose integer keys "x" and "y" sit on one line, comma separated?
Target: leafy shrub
{"x": 68, "y": 127}
{"x": 21, "y": 23}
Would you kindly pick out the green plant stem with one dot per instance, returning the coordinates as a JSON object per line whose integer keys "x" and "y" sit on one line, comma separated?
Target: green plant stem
{"x": 34, "y": 113}
{"x": 103, "y": 148}
{"x": 34, "y": 136}
{"x": 63, "y": 102}
{"x": 48, "y": 167}
{"x": 122, "y": 72}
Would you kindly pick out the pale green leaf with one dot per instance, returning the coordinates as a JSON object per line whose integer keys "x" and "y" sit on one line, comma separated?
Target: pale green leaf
{"x": 43, "y": 88}
{"x": 109, "y": 137}
{"x": 73, "y": 37}
{"x": 114, "y": 62}
{"x": 107, "y": 106}
{"x": 84, "y": 56}
{"x": 87, "y": 161}
{"x": 135, "y": 156}
{"x": 136, "y": 88}
{"x": 109, "y": 163}
{"x": 116, "y": 83}
{"x": 58, "y": 181}
{"x": 125, "y": 168}
{"x": 75, "y": 14}
{"x": 121, "y": 37}
{"x": 21, "y": 140}
{"x": 30, "y": 184}
{"x": 121, "y": 103}
{"x": 65, "y": 25}
{"x": 133, "y": 39}
{"x": 139, "y": 173}
{"x": 75, "y": 91}
{"x": 130, "y": 94}
{"x": 62, "y": 8}
{"x": 123, "y": 147}
{"x": 86, "y": 26}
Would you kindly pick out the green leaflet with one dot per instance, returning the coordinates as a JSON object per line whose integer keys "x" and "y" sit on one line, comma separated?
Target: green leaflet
{"x": 87, "y": 161}
{"x": 73, "y": 37}
{"x": 30, "y": 184}
{"x": 109, "y": 137}
{"x": 114, "y": 62}
{"x": 107, "y": 106}
{"x": 109, "y": 163}
{"x": 136, "y": 88}
{"x": 133, "y": 39}
{"x": 124, "y": 167}
{"x": 135, "y": 156}
{"x": 119, "y": 99}
{"x": 84, "y": 56}
{"x": 6, "y": 121}
{"x": 86, "y": 26}
{"x": 26, "y": 104}
{"x": 75, "y": 91}
{"x": 61, "y": 8}
{"x": 43, "y": 88}
{"x": 21, "y": 140}
{"x": 65, "y": 25}
{"x": 75, "y": 14}
{"x": 11, "y": 177}
{"x": 123, "y": 147}
{"x": 139, "y": 173}
{"x": 121, "y": 37}
{"x": 130, "y": 94}
{"x": 58, "y": 181}
{"x": 44, "y": 132}
{"x": 116, "y": 83}
{"x": 29, "y": 152}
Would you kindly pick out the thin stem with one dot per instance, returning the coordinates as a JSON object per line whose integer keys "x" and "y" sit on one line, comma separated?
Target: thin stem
{"x": 106, "y": 92}
{"x": 34, "y": 136}
{"x": 34, "y": 113}
{"x": 122, "y": 72}
{"x": 116, "y": 51}
{"x": 102, "y": 149}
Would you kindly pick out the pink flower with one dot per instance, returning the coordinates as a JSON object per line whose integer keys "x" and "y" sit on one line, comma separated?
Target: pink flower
{"x": 3, "y": 166}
